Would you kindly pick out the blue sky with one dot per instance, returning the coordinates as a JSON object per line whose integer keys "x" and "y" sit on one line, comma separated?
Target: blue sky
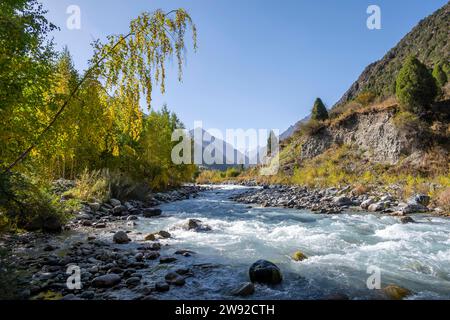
{"x": 260, "y": 64}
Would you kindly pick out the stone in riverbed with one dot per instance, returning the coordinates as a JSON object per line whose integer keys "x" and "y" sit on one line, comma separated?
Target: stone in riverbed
{"x": 421, "y": 199}
{"x": 244, "y": 289}
{"x": 379, "y": 206}
{"x": 413, "y": 208}
{"x": 299, "y": 256}
{"x": 175, "y": 279}
{"x": 99, "y": 225}
{"x": 152, "y": 255}
{"x": 151, "y": 212}
{"x": 133, "y": 281}
{"x": 106, "y": 281}
{"x": 115, "y": 202}
{"x": 150, "y": 237}
{"x": 184, "y": 252}
{"x": 164, "y": 234}
{"x": 365, "y": 204}
{"x": 121, "y": 237}
{"x": 164, "y": 260}
{"x": 197, "y": 225}
{"x": 95, "y": 206}
{"x": 264, "y": 271}
{"x": 395, "y": 292}
{"x": 405, "y": 220}
{"x": 342, "y": 201}
{"x": 118, "y": 210}
{"x": 162, "y": 287}
{"x": 52, "y": 225}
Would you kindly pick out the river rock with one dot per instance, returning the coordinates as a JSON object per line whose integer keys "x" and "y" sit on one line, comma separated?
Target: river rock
{"x": 395, "y": 292}
{"x": 150, "y": 237}
{"x": 151, "y": 212}
{"x": 197, "y": 225}
{"x": 379, "y": 206}
{"x": 299, "y": 256}
{"x": 244, "y": 289}
{"x": 413, "y": 208}
{"x": 164, "y": 260}
{"x": 115, "y": 202}
{"x": 406, "y": 219}
{"x": 421, "y": 199}
{"x": 365, "y": 204}
{"x": 95, "y": 206}
{"x": 121, "y": 237}
{"x": 342, "y": 201}
{"x": 118, "y": 210}
{"x": 52, "y": 225}
{"x": 153, "y": 255}
{"x": 99, "y": 225}
{"x": 264, "y": 271}
{"x": 133, "y": 281}
{"x": 175, "y": 279}
{"x": 106, "y": 281}
{"x": 162, "y": 287}
{"x": 164, "y": 234}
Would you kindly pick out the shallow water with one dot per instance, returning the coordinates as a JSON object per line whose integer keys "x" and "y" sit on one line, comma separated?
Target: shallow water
{"x": 340, "y": 249}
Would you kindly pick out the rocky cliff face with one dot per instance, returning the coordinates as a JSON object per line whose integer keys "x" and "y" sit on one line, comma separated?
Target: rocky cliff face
{"x": 375, "y": 134}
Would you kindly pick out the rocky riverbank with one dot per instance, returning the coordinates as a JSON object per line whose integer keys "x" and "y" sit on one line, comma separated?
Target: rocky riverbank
{"x": 334, "y": 200}
{"x": 115, "y": 261}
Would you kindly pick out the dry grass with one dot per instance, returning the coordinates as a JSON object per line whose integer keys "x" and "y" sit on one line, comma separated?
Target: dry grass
{"x": 443, "y": 200}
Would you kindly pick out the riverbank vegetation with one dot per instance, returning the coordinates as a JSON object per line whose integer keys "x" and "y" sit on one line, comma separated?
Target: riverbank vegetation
{"x": 57, "y": 122}
{"x": 419, "y": 110}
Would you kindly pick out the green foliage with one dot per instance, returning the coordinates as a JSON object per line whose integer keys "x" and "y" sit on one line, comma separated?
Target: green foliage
{"x": 28, "y": 204}
{"x": 416, "y": 89}
{"x": 311, "y": 127}
{"x": 134, "y": 62}
{"x": 319, "y": 111}
{"x": 410, "y": 122}
{"x": 439, "y": 73}
{"x": 365, "y": 98}
{"x": 101, "y": 136}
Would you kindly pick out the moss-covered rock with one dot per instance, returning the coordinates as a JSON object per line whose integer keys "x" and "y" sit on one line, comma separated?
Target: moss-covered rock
{"x": 395, "y": 292}
{"x": 299, "y": 256}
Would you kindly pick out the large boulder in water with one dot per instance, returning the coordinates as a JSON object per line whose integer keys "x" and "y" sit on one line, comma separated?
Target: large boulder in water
{"x": 263, "y": 271}
{"x": 151, "y": 212}
{"x": 106, "y": 281}
{"x": 121, "y": 237}
{"x": 196, "y": 225}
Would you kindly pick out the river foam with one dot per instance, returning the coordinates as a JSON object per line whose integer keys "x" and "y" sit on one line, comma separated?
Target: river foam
{"x": 340, "y": 249}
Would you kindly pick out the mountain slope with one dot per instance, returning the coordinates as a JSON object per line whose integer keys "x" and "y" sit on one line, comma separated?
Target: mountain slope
{"x": 224, "y": 162}
{"x": 428, "y": 41}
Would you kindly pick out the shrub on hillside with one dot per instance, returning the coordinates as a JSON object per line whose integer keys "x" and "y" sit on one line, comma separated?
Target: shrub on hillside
{"x": 408, "y": 121}
{"x": 440, "y": 74}
{"x": 366, "y": 98}
{"x": 443, "y": 199}
{"x": 319, "y": 111}
{"x": 415, "y": 87}
{"x": 311, "y": 127}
